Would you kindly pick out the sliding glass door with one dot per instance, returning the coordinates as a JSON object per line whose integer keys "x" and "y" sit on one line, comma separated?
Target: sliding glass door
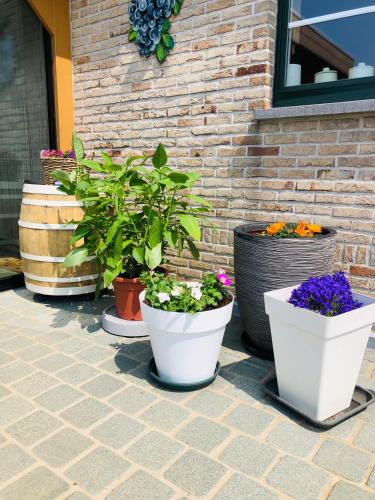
{"x": 25, "y": 118}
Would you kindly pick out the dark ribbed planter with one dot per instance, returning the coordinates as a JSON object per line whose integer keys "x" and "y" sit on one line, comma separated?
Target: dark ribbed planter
{"x": 264, "y": 263}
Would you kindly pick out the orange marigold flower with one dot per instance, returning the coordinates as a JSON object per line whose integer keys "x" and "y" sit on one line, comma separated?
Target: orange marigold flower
{"x": 314, "y": 228}
{"x": 303, "y": 230}
{"x": 273, "y": 229}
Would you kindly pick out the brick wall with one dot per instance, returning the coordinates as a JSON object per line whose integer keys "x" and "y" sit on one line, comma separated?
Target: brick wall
{"x": 200, "y": 103}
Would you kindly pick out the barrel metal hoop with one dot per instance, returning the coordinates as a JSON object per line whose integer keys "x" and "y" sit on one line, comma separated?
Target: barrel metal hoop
{"x": 51, "y": 203}
{"x": 45, "y": 290}
{"x": 37, "y": 225}
{"x": 48, "y": 258}
{"x": 74, "y": 279}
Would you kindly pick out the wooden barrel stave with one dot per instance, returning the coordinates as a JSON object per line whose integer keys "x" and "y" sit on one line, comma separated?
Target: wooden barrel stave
{"x": 45, "y": 229}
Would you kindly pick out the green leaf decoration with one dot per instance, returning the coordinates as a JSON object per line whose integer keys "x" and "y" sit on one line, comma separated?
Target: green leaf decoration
{"x": 132, "y": 36}
{"x": 77, "y": 146}
{"x": 159, "y": 158}
{"x": 191, "y": 226}
{"x": 166, "y": 26}
{"x": 160, "y": 52}
{"x": 167, "y": 40}
{"x": 76, "y": 257}
{"x": 153, "y": 257}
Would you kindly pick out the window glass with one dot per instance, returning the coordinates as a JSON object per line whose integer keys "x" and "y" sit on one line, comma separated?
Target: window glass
{"x": 304, "y": 9}
{"x": 332, "y": 50}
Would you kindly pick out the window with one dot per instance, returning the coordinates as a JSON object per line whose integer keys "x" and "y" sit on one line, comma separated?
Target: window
{"x": 325, "y": 51}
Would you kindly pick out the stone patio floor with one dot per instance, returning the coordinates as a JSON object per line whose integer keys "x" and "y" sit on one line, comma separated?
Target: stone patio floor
{"x": 79, "y": 418}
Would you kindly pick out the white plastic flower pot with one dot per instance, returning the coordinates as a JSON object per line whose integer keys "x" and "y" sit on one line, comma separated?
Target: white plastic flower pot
{"x": 317, "y": 358}
{"x": 185, "y": 346}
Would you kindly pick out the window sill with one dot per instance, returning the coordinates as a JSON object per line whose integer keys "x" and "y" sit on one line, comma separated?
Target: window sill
{"x": 334, "y": 108}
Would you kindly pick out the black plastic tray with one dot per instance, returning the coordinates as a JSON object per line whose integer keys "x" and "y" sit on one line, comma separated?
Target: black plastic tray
{"x": 181, "y": 387}
{"x": 362, "y": 398}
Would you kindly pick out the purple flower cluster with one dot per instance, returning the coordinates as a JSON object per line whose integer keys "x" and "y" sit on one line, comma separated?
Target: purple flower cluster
{"x": 57, "y": 153}
{"x": 328, "y": 295}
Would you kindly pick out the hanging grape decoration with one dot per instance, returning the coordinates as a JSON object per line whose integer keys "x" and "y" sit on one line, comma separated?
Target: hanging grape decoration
{"x": 150, "y": 26}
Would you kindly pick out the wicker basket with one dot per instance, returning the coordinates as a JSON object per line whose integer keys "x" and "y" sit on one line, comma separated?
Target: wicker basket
{"x": 50, "y": 164}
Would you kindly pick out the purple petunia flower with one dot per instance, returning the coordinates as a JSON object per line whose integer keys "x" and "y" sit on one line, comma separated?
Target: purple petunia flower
{"x": 328, "y": 295}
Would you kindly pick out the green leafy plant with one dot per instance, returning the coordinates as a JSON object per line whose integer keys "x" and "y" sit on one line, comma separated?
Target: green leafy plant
{"x": 133, "y": 213}
{"x": 169, "y": 294}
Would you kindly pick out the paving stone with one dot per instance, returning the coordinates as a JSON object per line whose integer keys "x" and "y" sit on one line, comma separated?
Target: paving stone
{"x": 94, "y": 354}
{"x": 13, "y": 460}
{"x": 6, "y": 333}
{"x": 53, "y": 337}
{"x": 102, "y": 386}
{"x": 77, "y": 374}
{"x": 142, "y": 486}
{"x": 344, "y": 430}
{"x": 5, "y": 358}
{"x": 132, "y": 399}
{"x": 203, "y": 434}
{"x": 33, "y": 427}
{"x": 298, "y": 479}
{"x": 209, "y": 403}
{"x": 250, "y": 369}
{"x": 97, "y": 470}
{"x": 239, "y": 487}
{"x": 77, "y": 495}
{"x": 73, "y": 345}
{"x": 366, "y": 438}
{"x": 248, "y": 456}
{"x": 119, "y": 365}
{"x": 62, "y": 447}
{"x": 293, "y": 439}
{"x": 203, "y": 475}
{"x": 34, "y": 352}
{"x": 248, "y": 419}
{"x": 154, "y": 450}
{"x": 14, "y": 371}
{"x": 247, "y": 390}
{"x": 39, "y": 484}
{"x": 13, "y": 408}
{"x": 165, "y": 415}
{"x": 344, "y": 460}
{"x": 15, "y": 343}
{"x": 346, "y": 491}
{"x": 86, "y": 413}
{"x": 3, "y": 392}
{"x": 35, "y": 384}
{"x": 54, "y": 362}
{"x": 371, "y": 479}
{"x": 31, "y": 332}
{"x": 59, "y": 397}
{"x": 118, "y": 431}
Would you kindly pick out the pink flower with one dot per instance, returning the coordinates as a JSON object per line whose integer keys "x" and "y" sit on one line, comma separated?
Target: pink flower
{"x": 223, "y": 278}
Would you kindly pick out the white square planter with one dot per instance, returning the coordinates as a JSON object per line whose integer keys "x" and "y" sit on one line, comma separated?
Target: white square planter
{"x": 317, "y": 358}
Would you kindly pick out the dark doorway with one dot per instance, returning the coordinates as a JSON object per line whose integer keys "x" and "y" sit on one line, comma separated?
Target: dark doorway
{"x": 27, "y": 120}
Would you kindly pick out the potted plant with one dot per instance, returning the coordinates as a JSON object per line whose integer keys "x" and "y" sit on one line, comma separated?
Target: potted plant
{"x": 133, "y": 213}
{"x": 52, "y": 159}
{"x": 319, "y": 331}
{"x": 186, "y": 323}
{"x": 268, "y": 257}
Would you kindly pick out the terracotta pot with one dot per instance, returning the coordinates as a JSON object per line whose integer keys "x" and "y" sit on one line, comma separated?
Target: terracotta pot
{"x": 127, "y": 292}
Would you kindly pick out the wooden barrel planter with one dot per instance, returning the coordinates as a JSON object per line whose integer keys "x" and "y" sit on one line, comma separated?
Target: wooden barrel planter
{"x": 262, "y": 264}
{"x": 44, "y": 233}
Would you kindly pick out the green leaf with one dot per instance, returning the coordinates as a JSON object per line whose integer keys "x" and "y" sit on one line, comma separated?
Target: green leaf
{"x": 199, "y": 199}
{"x": 155, "y": 232}
{"x": 153, "y": 256}
{"x": 107, "y": 159}
{"x": 76, "y": 257}
{"x": 111, "y": 232}
{"x": 171, "y": 238}
{"x": 93, "y": 165}
{"x": 108, "y": 276}
{"x": 77, "y": 146}
{"x": 193, "y": 249}
{"x": 191, "y": 225}
{"x": 132, "y": 35}
{"x": 159, "y": 158}
{"x": 166, "y": 26}
{"x": 79, "y": 233}
{"x": 160, "y": 52}
{"x": 178, "y": 178}
{"x": 168, "y": 40}
{"x": 138, "y": 254}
